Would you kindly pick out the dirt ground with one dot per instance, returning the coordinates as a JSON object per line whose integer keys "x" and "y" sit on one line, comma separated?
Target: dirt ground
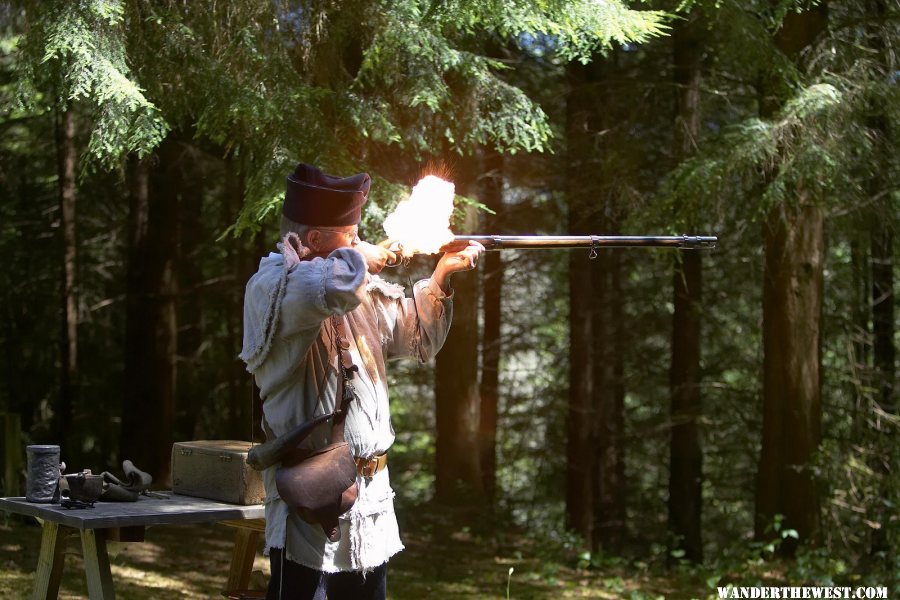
{"x": 442, "y": 560}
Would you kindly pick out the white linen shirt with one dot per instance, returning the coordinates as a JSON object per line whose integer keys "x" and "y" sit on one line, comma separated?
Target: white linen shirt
{"x": 297, "y": 377}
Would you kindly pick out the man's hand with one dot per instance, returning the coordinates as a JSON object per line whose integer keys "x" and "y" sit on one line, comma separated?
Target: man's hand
{"x": 376, "y": 256}
{"x": 453, "y": 262}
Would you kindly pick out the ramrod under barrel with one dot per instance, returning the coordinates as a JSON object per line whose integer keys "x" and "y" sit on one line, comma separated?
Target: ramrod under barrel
{"x": 510, "y": 242}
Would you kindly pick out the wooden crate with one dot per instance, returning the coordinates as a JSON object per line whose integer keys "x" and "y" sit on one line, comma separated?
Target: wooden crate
{"x": 216, "y": 470}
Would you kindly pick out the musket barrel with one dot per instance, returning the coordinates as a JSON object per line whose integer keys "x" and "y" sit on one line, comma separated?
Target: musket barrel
{"x": 504, "y": 242}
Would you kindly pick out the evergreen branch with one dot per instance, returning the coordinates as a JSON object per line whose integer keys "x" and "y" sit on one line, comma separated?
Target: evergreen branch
{"x": 81, "y": 47}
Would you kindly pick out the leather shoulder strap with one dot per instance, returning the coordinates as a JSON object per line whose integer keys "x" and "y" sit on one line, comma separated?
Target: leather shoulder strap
{"x": 346, "y": 372}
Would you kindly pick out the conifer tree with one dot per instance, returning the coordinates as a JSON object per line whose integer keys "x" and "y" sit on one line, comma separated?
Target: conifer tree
{"x": 343, "y": 86}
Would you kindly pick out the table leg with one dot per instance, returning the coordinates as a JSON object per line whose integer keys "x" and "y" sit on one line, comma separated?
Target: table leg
{"x": 50, "y": 562}
{"x": 96, "y": 565}
{"x": 245, "y": 543}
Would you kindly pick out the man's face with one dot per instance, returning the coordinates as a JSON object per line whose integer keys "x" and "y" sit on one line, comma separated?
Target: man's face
{"x": 323, "y": 240}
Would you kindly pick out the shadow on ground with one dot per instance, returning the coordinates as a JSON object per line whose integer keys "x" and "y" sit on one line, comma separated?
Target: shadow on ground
{"x": 448, "y": 555}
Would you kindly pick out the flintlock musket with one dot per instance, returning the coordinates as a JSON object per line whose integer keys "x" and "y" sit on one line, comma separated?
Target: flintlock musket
{"x": 504, "y": 242}
{"x": 594, "y": 242}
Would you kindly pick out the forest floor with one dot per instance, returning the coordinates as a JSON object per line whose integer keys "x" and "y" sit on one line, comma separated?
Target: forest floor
{"x": 443, "y": 559}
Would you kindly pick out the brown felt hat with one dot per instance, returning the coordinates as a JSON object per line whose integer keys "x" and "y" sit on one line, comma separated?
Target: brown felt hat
{"x": 316, "y": 198}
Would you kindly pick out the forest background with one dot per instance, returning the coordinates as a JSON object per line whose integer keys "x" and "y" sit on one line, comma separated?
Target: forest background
{"x": 730, "y": 415}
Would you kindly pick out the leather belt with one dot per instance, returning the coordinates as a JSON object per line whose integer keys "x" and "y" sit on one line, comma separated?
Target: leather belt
{"x": 367, "y": 467}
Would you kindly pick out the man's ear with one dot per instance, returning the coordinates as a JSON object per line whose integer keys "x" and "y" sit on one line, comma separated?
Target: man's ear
{"x": 313, "y": 236}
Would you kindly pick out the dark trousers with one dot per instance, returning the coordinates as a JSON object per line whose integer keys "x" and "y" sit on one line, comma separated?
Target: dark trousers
{"x": 291, "y": 581}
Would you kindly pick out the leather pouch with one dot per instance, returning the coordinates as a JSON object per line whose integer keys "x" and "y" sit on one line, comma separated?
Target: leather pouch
{"x": 321, "y": 486}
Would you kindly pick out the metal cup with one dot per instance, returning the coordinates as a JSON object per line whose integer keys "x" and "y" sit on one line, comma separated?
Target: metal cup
{"x": 42, "y": 474}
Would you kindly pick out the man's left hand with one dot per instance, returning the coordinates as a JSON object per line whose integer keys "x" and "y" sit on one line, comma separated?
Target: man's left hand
{"x": 454, "y": 262}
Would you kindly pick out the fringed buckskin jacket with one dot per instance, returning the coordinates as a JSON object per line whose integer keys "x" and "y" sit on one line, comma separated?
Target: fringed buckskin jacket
{"x": 289, "y": 347}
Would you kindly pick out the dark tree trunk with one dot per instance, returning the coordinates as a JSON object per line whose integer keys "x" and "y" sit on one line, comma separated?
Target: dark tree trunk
{"x": 239, "y": 388}
{"x": 68, "y": 344}
{"x": 492, "y": 286}
{"x": 792, "y": 314}
{"x": 458, "y": 476}
{"x": 685, "y": 452}
{"x": 619, "y": 489}
{"x": 884, "y": 375}
{"x": 186, "y": 184}
{"x": 884, "y": 352}
{"x": 597, "y": 420}
{"x": 148, "y": 406}
{"x": 244, "y": 259}
{"x": 792, "y": 406}
{"x": 609, "y": 400}
{"x": 580, "y": 449}
{"x": 859, "y": 332}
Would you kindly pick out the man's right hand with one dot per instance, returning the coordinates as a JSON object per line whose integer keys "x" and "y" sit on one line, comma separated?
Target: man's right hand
{"x": 376, "y": 257}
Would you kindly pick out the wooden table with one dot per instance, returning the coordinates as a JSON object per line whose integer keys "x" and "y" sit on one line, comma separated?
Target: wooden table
{"x": 126, "y": 522}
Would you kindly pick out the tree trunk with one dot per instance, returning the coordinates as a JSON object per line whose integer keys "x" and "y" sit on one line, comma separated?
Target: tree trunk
{"x": 69, "y": 331}
{"x": 580, "y": 450}
{"x": 609, "y": 400}
{"x": 458, "y": 476}
{"x": 148, "y": 405}
{"x": 792, "y": 406}
{"x": 579, "y": 439}
{"x": 492, "y": 286}
{"x": 859, "y": 332}
{"x": 792, "y": 314}
{"x": 619, "y": 489}
{"x": 685, "y": 452}
{"x": 185, "y": 183}
{"x": 244, "y": 256}
{"x": 884, "y": 352}
{"x": 243, "y": 259}
{"x": 884, "y": 374}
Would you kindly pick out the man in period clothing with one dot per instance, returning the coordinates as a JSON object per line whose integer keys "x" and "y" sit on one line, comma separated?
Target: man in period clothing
{"x": 323, "y": 269}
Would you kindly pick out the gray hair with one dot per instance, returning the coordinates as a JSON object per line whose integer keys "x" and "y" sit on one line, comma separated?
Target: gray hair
{"x": 288, "y": 226}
